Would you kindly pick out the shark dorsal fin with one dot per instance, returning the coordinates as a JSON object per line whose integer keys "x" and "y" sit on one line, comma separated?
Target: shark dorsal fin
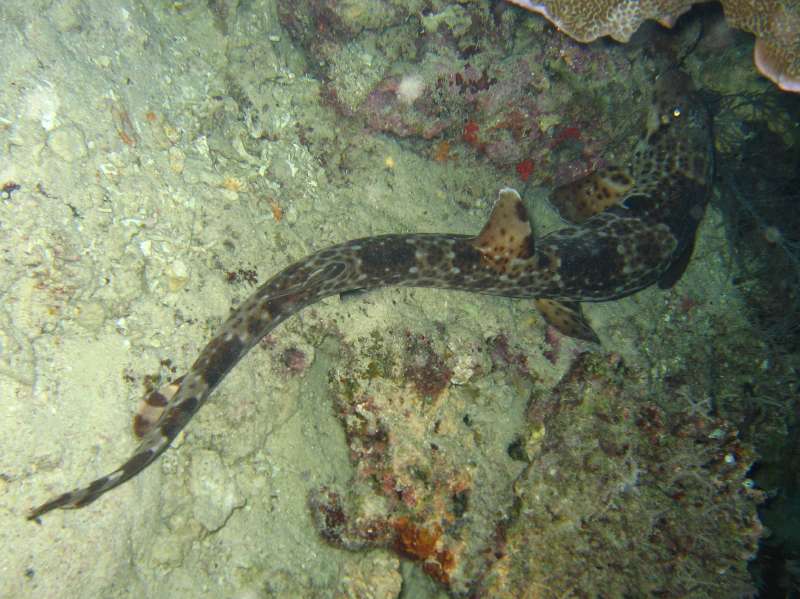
{"x": 507, "y": 233}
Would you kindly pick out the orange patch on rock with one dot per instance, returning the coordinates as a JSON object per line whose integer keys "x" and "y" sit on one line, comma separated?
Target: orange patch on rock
{"x": 442, "y": 152}
{"x": 421, "y": 544}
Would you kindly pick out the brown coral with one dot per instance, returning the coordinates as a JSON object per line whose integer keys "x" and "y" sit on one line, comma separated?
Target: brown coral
{"x": 775, "y": 23}
{"x": 586, "y": 20}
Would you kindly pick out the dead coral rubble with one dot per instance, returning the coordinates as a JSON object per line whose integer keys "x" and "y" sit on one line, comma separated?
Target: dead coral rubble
{"x": 604, "y": 489}
{"x": 466, "y": 80}
{"x": 621, "y": 495}
{"x": 429, "y": 479}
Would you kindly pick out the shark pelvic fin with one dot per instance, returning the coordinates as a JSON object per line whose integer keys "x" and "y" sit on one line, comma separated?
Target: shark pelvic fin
{"x": 567, "y": 318}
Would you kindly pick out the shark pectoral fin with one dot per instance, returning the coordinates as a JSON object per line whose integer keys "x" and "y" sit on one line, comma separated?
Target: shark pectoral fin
{"x": 152, "y": 406}
{"x": 507, "y": 233}
{"x": 578, "y": 201}
{"x": 675, "y": 271}
{"x": 567, "y": 318}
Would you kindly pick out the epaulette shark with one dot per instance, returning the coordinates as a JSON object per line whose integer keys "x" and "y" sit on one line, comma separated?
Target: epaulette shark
{"x": 629, "y": 227}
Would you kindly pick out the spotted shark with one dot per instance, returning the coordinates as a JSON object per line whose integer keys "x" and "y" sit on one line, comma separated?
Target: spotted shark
{"x": 628, "y": 227}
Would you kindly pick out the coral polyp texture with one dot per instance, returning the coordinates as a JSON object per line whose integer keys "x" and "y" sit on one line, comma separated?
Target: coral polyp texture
{"x": 586, "y": 20}
{"x": 775, "y": 23}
